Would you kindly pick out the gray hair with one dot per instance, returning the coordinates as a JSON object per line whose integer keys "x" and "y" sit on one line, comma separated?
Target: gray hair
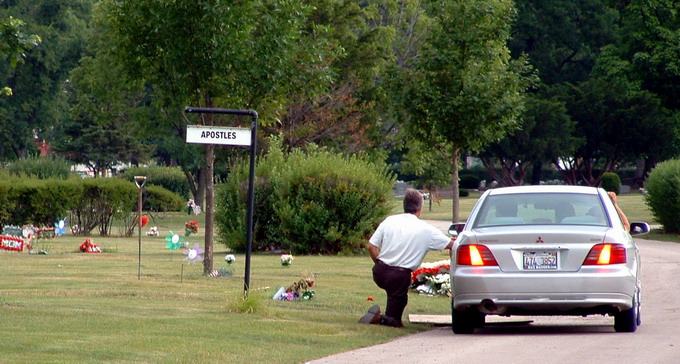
{"x": 413, "y": 201}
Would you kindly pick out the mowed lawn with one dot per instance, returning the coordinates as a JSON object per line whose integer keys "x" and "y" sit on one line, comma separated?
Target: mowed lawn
{"x": 68, "y": 306}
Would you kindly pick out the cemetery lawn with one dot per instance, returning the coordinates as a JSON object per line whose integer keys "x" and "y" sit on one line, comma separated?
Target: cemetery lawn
{"x": 68, "y": 306}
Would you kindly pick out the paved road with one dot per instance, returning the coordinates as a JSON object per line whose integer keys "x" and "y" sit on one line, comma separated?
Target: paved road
{"x": 557, "y": 339}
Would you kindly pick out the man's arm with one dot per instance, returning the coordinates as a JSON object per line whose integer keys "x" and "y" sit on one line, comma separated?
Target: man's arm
{"x": 622, "y": 216}
{"x": 373, "y": 252}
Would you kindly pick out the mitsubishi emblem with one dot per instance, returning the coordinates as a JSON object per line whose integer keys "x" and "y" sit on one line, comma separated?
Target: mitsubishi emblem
{"x": 539, "y": 240}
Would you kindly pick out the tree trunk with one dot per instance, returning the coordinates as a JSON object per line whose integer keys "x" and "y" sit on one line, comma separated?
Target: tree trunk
{"x": 455, "y": 159}
{"x": 209, "y": 208}
{"x": 536, "y": 173}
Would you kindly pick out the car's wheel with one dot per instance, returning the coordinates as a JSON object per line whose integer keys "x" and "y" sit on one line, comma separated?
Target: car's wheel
{"x": 627, "y": 321}
{"x": 465, "y": 322}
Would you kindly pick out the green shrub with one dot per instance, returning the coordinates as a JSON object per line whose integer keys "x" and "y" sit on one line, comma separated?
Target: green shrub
{"x": 160, "y": 199}
{"x": 231, "y": 205}
{"x": 312, "y": 202}
{"x": 463, "y": 192}
{"x": 470, "y": 178}
{"x": 663, "y": 194}
{"x": 171, "y": 178}
{"x": 42, "y": 168}
{"x": 611, "y": 182}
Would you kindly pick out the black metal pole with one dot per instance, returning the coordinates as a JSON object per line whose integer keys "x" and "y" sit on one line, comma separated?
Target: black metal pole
{"x": 251, "y": 203}
{"x": 139, "y": 234}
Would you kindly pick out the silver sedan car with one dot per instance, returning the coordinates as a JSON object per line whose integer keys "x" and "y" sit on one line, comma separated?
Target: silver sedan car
{"x": 545, "y": 250}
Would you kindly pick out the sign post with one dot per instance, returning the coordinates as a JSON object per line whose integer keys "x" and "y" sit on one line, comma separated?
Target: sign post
{"x": 231, "y": 136}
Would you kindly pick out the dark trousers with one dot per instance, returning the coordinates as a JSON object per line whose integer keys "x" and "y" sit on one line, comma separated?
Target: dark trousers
{"x": 396, "y": 282}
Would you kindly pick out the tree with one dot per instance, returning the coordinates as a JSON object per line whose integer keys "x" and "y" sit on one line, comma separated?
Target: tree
{"x": 241, "y": 55}
{"x": 546, "y": 134}
{"x": 106, "y": 114}
{"x": 467, "y": 90}
{"x": 38, "y": 103}
{"x": 618, "y": 122}
{"x": 346, "y": 115}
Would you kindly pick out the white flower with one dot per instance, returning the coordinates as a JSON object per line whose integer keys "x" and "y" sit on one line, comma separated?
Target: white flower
{"x": 230, "y": 258}
{"x": 434, "y": 264}
{"x": 425, "y": 289}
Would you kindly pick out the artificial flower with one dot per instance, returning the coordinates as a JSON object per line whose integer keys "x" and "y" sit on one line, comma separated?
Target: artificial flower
{"x": 60, "y": 227}
{"x": 190, "y": 227}
{"x": 432, "y": 278}
{"x": 194, "y": 254}
{"x": 174, "y": 241}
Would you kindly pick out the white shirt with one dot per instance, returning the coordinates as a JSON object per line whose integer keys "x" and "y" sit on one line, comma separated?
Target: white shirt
{"x": 404, "y": 240}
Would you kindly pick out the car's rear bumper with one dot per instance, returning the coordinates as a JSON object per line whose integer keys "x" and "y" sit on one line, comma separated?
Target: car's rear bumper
{"x": 592, "y": 290}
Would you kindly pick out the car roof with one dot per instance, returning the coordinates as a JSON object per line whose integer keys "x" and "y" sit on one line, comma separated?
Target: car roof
{"x": 544, "y": 189}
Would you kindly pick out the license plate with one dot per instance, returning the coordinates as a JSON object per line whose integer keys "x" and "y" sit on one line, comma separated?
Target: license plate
{"x": 540, "y": 260}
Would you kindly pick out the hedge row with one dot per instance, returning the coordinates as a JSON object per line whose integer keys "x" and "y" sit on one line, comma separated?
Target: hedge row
{"x": 90, "y": 203}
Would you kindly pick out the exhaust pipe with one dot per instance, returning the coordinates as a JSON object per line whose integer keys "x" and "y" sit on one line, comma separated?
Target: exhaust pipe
{"x": 488, "y": 306}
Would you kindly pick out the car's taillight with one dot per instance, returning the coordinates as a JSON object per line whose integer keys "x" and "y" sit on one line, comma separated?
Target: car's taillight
{"x": 473, "y": 254}
{"x": 602, "y": 254}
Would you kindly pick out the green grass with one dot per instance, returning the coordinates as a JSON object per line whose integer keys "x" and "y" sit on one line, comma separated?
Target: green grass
{"x": 68, "y": 306}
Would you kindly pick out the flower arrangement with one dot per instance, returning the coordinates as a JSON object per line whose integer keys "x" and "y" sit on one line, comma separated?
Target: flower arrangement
{"x": 432, "y": 279}
{"x": 286, "y": 259}
{"x": 89, "y": 247}
{"x": 193, "y": 207}
{"x": 298, "y": 290}
{"x": 153, "y": 231}
{"x": 190, "y": 227}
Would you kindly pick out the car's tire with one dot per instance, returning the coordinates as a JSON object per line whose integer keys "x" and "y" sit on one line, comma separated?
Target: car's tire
{"x": 638, "y": 320}
{"x": 627, "y": 320}
{"x": 465, "y": 322}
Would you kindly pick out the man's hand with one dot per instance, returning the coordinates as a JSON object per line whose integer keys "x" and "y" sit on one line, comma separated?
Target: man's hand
{"x": 448, "y": 247}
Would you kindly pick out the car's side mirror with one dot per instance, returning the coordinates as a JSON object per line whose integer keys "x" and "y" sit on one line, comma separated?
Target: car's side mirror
{"x": 456, "y": 228}
{"x": 639, "y": 228}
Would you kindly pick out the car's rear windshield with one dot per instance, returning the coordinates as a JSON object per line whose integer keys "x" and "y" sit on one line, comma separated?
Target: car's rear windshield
{"x": 542, "y": 208}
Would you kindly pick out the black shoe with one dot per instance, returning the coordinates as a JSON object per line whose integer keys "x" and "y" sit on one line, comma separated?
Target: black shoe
{"x": 372, "y": 316}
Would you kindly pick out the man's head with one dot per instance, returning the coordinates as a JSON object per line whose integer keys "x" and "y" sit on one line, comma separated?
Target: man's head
{"x": 413, "y": 201}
